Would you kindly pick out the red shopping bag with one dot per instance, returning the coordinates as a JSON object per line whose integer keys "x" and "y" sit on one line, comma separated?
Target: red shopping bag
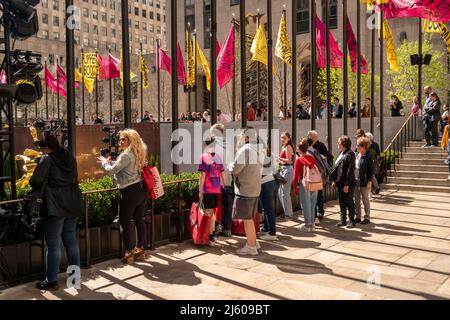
{"x": 199, "y": 225}
{"x": 153, "y": 182}
{"x": 237, "y": 227}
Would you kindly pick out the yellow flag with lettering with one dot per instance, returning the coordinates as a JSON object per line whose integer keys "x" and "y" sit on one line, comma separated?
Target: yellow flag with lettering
{"x": 144, "y": 70}
{"x": 201, "y": 60}
{"x": 430, "y": 27}
{"x": 259, "y": 46}
{"x": 445, "y": 33}
{"x": 190, "y": 61}
{"x": 88, "y": 82}
{"x": 390, "y": 47}
{"x": 283, "y": 48}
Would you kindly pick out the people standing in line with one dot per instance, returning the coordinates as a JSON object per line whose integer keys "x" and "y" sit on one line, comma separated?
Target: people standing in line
{"x": 353, "y": 111}
{"x": 375, "y": 154}
{"x": 322, "y": 110}
{"x": 396, "y": 106}
{"x": 221, "y": 118}
{"x": 56, "y": 177}
{"x": 415, "y": 109}
{"x": 431, "y": 116}
{"x": 267, "y": 195}
{"x": 211, "y": 182}
{"x": 360, "y": 133}
{"x": 313, "y": 141}
{"x": 246, "y": 171}
{"x": 308, "y": 199}
{"x": 364, "y": 172}
{"x": 344, "y": 179}
{"x": 427, "y": 90}
{"x": 338, "y": 109}
{"x": 78, "y": 121}
{"x": 127, "y": 171}
{"x": 365, "y": 110}
{"x": 286, "y": 162}
{"x": 251, "y": 115}
{"x": 282, "y": 113}
{"x": 206, "y": 117}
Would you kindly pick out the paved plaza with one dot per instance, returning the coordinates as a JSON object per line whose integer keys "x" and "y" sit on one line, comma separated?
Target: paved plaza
{"x": 407, "y": 249}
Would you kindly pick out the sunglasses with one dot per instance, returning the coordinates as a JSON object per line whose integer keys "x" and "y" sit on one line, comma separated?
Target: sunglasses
{"x": 123, "y": 139}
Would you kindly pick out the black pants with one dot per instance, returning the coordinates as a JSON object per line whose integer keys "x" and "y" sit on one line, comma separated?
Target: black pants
{"x": 347, "y": 202}
{"x": 132, "y": 207}
{"x": 319, "y": 206}
{"x": 227, "y": 203}
{"x": 431, "y": 131}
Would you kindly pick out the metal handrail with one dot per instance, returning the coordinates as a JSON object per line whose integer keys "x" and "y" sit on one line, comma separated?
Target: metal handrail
{"x": 399, "y": 132}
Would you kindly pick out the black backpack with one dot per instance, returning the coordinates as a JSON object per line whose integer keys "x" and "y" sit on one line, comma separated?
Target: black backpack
{"x": 321, "y": 163}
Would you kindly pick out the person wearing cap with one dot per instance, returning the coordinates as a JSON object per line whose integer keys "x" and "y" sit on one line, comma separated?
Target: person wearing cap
{"x": 62, "y": 204}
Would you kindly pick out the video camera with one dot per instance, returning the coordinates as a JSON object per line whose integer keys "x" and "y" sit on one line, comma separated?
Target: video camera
{"x": 112, "y": 140}
{"x": 56, "y": 127}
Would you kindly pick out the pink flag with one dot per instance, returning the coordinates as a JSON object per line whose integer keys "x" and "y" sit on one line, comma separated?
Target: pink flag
{"x": 165, "y": 62}
{"x": 114, "y": 67}
{"x": 103, "y": 68}
{"x": 352, "y": 48}
{"x": 218, "y": 49}
{"x": 225, "y": 60}
{"x": 62, "y": 80}
{"x": 49, "y": 80}
{"x": 335, "y": 53}
{"x": 3, "y": 77}
{"x": 433, "y": 10}
{"x": 182, "y": 79}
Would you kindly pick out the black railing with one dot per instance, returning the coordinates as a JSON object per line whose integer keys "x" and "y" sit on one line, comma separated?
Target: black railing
{"x": 395, "y": 150}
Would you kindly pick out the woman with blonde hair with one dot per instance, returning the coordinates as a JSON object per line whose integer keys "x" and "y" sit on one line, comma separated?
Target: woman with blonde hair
{"x": 127, "y": 174}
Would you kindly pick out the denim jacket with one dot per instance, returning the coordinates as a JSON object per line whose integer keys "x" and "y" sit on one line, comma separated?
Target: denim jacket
{"x": 124, "y": 170}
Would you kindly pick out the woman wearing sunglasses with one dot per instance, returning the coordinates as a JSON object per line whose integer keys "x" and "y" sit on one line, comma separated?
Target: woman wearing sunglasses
{"x": 127, "y": 173}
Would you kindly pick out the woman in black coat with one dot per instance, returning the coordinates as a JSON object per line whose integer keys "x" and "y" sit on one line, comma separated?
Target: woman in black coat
{"x": 62, "y": 204}
{"x": 396, "y": 106}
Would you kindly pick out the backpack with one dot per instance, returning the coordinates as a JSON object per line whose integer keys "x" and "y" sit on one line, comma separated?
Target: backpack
{"x": 312, "y": 180}
{"x": 321, "y": 164}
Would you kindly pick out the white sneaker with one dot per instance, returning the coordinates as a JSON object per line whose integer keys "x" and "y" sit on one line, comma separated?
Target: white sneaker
{"x": 268, "y": 237}
{"x": 258, "y": 246}
{"x": 312, "y": 228}
{"x": 303, "y": 227}
{"x": 247, "y": 251}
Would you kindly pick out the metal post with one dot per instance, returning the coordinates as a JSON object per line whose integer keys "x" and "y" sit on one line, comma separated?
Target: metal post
{"x": 327, "y": 37}
{"x": 258, "y": 67}
{"x": 195, "y": 76}
{"x": 233, "y": 88}
{"x": 142, "y": 85}
{"x": 419, "y": 89}
{"x": 57, "y": 89}
{"x": 126, "y": 64}
{"x": 358, "y": 62}
{"x": 381, "y": 109}
{"x": 46, "y": 96}
{"x": 82, "y": 87}
{"x": 189, "y": 88}
{"x": 213, "y": 62}
{"x": 313, "y": 108}
{"x": 158, "y": 75}
{"x": 174, "y": 42}
{"x": 345, "y": 21}
{"x": 294, "y": 72}
{"x": 110, "y": 97}
{"x": 70, "y": 71}
{"x": 96, "y": 91}
{"x": 269, "y": 77}
{"x": 243, "y": 65}
{"x": 372, "y": 81}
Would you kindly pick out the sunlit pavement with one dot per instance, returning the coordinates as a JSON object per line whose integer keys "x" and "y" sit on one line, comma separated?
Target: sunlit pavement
{"x": 405, "y": 254}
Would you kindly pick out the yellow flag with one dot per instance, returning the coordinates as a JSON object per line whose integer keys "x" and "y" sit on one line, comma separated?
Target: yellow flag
{"x": 259, "y": 46}
{"x": 88, "y": 82}
{"x": 445, "y": 33}
{"x": 78, "y": 75}
{"x": 190, "y": 62}
{"x": 144, "y": 70}
{"x": 390, "y": 47}
{"x": 201, "y": 60}
{"x": 132, "y": 75}
{"x": 430, "y": 27}
{"x": 283, "y": 48}
{"x": 89, "y": 65}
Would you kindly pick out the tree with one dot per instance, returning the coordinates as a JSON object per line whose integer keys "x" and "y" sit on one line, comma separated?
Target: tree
{"x": 404, "y": 83}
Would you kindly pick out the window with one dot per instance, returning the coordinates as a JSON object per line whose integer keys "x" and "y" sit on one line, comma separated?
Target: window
{"x": 189, "y": 12}
{"x": 104, "y": 45}
{"x": 144, "y": 26}
{"x": 44, "y": 4}
{"x": 95, "y": 29}
{"x": 85, "y": 27}
{"x": 333, "y": 13}
{"x": 95, "y": 14}
{"x": 144, "y": 13}
{"x": 207, "y": 23}
{"x": 95, "y": 2}
{"x": 56, "y": 21}
{"x": 86, "y": 42}
{"x": 158, "y": 17}
{"x": 144, "y": 39}
{"x": 95, "y": 43}
{"x": 136, "y": 24}
{"x": 112, "y": 5}
{"x": 158, "y": 4}
{"x": 158, "y": 30}
{"x": 302, "y": 16}
{"x": 234, "y": 2}
{"x": 55, "y": 4}
{"x": 56, "y": 36}
{"x": 112, "y": 19}
{"x": 86, "y": 12}
{"x": 152, "y": 28}
{"x": 45, "y": 34}
{"x": 104, "y": 31}
{"x": 113, "y": 32}
{"x": 136, "y": 11}
{"x": 104, "y": 19}
{"x": 104, "y": 3}
{"x": 77, "y": 39}
{"x": 144, "y": 1}
{"x": 151, "y": 3}
{"x": 151, "y": 15}
{"x": 45, "y": 18}
{"x": 152, "y": 41}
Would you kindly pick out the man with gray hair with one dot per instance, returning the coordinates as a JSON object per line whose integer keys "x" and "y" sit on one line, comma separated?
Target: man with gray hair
{"x": 375, "y": 152}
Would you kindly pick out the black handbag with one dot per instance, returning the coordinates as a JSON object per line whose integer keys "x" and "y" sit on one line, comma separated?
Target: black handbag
{"x": 279, "y": 178}
{"x": 32, "y": 206}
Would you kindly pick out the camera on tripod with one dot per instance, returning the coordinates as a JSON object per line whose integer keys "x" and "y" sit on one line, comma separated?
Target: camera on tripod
{"x": 112, "y": 140}
{"x": 55, "y": 127}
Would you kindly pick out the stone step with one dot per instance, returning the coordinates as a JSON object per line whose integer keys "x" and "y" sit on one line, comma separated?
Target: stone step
{"x": 430, "y": 162}
{"x": 425, "y": 156}
{"x": 420, "y": 181}
{"x": 418, "y": 188}
{"x": 420, "y": 174}
{"x": 422, "y": 168}
{"x": 424, "y": 150}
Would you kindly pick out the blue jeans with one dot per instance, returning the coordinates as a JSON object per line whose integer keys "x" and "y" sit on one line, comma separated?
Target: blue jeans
{"x": 266, "y": 199}
{"x": 284, "y": 192}
{"x": 308, "y": 201}
{"x": 55, "y": 230}
{"x": 227, "y": 203}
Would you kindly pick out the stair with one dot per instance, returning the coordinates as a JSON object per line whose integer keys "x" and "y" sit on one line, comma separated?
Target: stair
{"x": 420, "y": 169}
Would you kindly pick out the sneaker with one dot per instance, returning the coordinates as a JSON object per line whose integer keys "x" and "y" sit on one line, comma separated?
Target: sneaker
{"x": 377, "y": 191}
{"x": 258, "y": 246}
{"x": 365, "y": 222}
{"x": 247, "y": 251}
{"x": 357, "y": 220}
{"x": 268, "y": 237}
{"x": 312, "y": 228}
{"x": 351, "y": 225}
{"x": 47, "y": 286}
{"x": 304, "y": 227}
{"x": 341, "y": 224}
{"x": 225, "y": 233}
{"x": 426, "y": 146}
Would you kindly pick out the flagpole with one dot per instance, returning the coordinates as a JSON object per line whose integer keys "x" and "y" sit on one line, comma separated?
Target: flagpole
{"x": 96, "y": 91}
{"x": 372, "y": 80}
{"x": 345, "y": 58}
{"x": 313, "y": 89}
{"x": 189, "y": 88}
{"x": 158, "y": 75}
{"x": 381, "y": 109}
{"x": 57, "y": 87}
{"x": 269, "y": 77}
{"x": 194, "y": 35}
{"x": 327, "y": 37}
{"x": 258, "y": 67}
{"x": 142, "y": 83}
{"x": 243, "y": 65}
{"x": 285, "y": 81}
{"x": 70, "y": 69}
{"x": 82, "y": 85}
{"x": 213, "y": 62}
{"x": 126, "y": 64}
{"x": 233, "y": 88}
{"x": 110, "y": 94}
{"x": 294, "y": 72}
{"x": 46, "y": 95}
{"x": 174, "y": 43}
{"x": 358, "y": 62}
{"x": 420, "y": 75}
